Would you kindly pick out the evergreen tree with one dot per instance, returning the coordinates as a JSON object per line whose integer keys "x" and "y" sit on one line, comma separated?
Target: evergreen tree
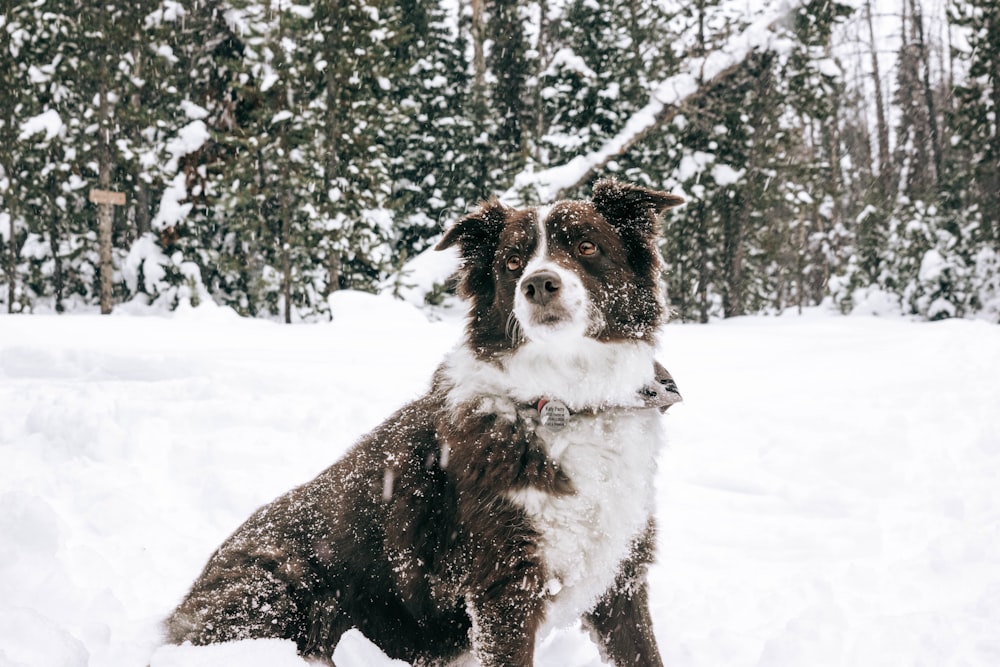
{"x": 510, "y": 66}
{"x": 606, "y": 58}
{"x": 77, "y": 92}
{"x": 810, "y": 183}
{"x": 433, "y": 163}
{"x": 274, "y": 152}
{"x": 18, "y": 43}
{"x": 353, "y": 49}
{"x": 975, "y": 117}
{"x": 187, "y": 249}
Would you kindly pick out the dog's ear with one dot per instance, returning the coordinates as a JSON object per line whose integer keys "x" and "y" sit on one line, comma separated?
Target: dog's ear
{"x": 477, "y": 236}
{"x": 631, "y": 206}
{"x": 477, "y": 233}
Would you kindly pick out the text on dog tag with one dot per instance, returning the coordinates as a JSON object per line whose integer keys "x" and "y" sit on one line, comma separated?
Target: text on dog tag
{"x": 553, "y": 414}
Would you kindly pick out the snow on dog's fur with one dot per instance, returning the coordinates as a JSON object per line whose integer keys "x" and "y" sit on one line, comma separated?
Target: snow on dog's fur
{"x": 466, "y": 522}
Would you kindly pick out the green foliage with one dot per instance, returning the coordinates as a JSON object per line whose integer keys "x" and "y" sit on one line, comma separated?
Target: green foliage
{"x": 272, "y": 153}
{"x": 604, "y": 58}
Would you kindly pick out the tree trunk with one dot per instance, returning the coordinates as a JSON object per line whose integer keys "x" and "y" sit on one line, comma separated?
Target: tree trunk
{"x": 10, "y": 258}
{"x": 143, "y": 215}
{"x": 541, "y": 119}
{"x": 284, "y": 208}
{"x": 105, "y": 212}
{"x": 701, "y": 238}
{"x": 882, "y": 126}
{"x": 918, "y": 27}
{"x": 993, "y": 209}
{"x": 701, "y": 235}
{"x": 331, "y": 168}
{"x": 334, "y": 273}
{"x": 286, "y": 260}
{"x": 478, "y": 45}
{"x": 734, "y": 243}
{"x": 57, "y": 260}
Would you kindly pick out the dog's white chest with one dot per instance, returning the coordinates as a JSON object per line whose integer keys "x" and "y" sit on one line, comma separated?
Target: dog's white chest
{"x": 611, "y": 460}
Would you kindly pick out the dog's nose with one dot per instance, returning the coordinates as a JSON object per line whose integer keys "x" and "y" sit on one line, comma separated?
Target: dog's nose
{"x": 540, "y": 287}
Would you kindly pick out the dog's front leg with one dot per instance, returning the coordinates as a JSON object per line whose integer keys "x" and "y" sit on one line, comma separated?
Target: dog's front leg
{"x": 494, "y": 456}
{"x": 505, "y": 588}
{"x": 504, "y": 625}
{"x": 504, "y": 584}
{"x": 621, "y": 623}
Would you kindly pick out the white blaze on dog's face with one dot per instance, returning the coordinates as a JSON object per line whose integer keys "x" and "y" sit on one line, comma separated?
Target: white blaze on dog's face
{"x": 550, "y": 300}
{"x": 576, "y": 269}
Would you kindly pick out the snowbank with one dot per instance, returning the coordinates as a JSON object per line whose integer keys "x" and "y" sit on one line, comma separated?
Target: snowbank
{"x": 829, "y": 497}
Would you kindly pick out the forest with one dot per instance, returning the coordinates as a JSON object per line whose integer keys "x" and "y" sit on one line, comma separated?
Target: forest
{"x": 271, "y": 152}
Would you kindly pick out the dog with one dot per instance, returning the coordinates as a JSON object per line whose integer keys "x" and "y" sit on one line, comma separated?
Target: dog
{"x": 515, "y": 496}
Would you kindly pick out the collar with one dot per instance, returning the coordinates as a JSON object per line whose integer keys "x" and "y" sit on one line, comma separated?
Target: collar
{"x": 659, "y": 394}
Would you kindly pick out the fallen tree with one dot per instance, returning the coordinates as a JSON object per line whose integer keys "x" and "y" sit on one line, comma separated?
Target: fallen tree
{"x": 666, "y": 100}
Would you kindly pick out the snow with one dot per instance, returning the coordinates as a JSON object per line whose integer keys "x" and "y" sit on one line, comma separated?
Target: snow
{"x": 828, "y": 496}
{"x": 872, "y": 300}
{"x": 48, "y": 122}
{"x": 168, "y": 12}
{"x": 5, "y": 226}
{"x": 172, "y": 211}
{"x": 547, "y": 183}
{"x": 193, "y": 111}
{"x": 355, "y": 649}
{"x": 693, "y": 164}
{"x": 828, "y": 67}
{"x": 724, "y": 175}
{"x": 189, "y": 139}
{"x": 146, "y": 256}
{"x": 423, "y": 272}
{"x": 246, "y": 653}
{"x": 565, "y": 58}
{"x": 932, "y": 266}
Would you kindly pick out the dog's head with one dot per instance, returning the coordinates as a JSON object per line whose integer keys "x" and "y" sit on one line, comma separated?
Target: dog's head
{"x": 570, "y": 270}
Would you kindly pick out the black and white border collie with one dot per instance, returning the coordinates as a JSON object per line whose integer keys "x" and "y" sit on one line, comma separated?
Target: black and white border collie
{"x": 515, "y": 496}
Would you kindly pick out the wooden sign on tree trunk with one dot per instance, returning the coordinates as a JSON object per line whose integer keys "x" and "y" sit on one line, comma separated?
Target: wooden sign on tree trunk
{"x": 107, "y": 197}
{"x": 105, "y": 200}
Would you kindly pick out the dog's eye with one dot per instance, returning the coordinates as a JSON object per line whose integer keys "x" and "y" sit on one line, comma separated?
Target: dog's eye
{"x": 587, "y": 248}
{"x": 514, "y": 263}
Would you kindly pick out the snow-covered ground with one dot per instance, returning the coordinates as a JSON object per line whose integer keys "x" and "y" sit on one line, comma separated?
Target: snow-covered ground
{"x": 830, "y": 495}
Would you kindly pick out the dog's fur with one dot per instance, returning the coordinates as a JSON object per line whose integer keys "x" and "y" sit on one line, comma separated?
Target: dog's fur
{"x": 463, "y": 523}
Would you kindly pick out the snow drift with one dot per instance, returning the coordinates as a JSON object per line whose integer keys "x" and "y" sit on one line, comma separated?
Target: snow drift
{"x": 829, "y": 496}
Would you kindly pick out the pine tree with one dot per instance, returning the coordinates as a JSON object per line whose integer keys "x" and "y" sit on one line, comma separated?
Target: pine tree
{"x": 267, "y": 189}
{"x": 18, "y": 43}
{"x": 606, "y": 56}
{"x": 200, "y": 243}
{"x": 60, "y": 167}
{"x": 511, "y": 67}
{"x": 913, "y": 152}
{"x": 353, "y": 50}
{"x": 684, "y": 158}
{"x": 975, "y": 119}
{"x": 808, "y": 175}
{"x": 433, "y": 166}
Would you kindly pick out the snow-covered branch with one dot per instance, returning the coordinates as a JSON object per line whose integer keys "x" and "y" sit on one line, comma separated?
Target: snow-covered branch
{"x": 555, "y": 182}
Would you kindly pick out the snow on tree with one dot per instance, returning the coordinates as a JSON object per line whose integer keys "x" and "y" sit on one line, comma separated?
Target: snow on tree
{"x": 274, "y": 151}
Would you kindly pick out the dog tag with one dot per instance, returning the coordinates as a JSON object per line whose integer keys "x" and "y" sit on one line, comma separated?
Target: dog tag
{"x": 553, "y": 414}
